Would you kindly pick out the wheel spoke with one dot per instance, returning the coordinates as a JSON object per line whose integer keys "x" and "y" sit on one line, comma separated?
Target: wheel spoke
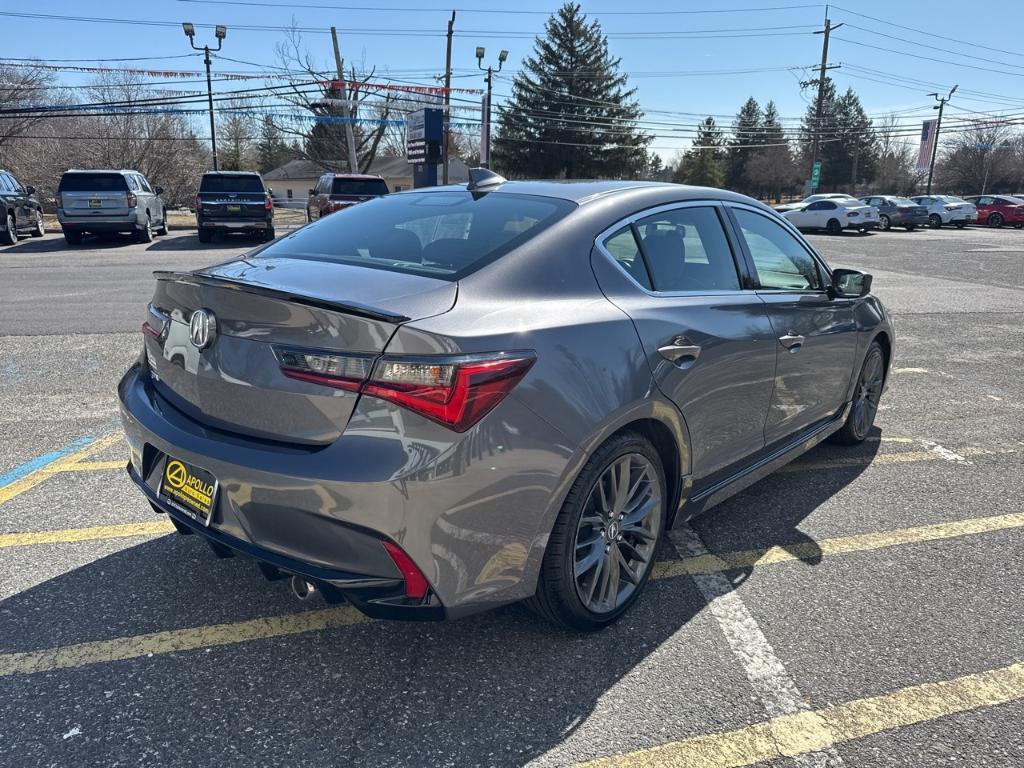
{"x": 624, "y": 568}
{"x": 589, "y": 561}
{"x": 641, "y": 511}
{"x": 621, "y": 492}
{"x": 637, "y": 553}
{"x": 611, "y": 589}
{"x": 598, "y": 575}
{"x": 639, "y": 531}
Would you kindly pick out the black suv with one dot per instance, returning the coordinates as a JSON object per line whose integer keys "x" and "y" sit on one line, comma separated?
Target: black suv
{"x": 22, "y": 214}
{"x": 234, "y": 201}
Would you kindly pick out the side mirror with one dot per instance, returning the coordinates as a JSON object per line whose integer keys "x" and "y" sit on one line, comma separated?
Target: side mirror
{"x": 159, "y": 190}
{"x": 30, "y": 190}
{"x": 850, "y": 284}
{"x": 312, "y": 191}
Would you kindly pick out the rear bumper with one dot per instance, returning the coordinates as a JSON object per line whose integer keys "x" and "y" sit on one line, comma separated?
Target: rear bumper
{"x": 235, "y": 224}
{"x": 98, "y": 223}
{"x": 468, "y": 509}
{"x": 380, "y": 597}
{"x": 867, "y": 224}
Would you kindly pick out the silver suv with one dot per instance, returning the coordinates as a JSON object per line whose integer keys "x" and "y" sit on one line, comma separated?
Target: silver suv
{"x": 109, "y": 201}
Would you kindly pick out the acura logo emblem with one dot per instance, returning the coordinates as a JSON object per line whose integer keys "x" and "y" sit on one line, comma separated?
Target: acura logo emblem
{"x": 202, "y": 327}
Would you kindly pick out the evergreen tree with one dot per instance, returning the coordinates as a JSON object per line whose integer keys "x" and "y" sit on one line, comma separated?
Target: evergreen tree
{"x": 271, "y": 149}
{"x": 235, "y": 134}
{"x": 845, "y": 137}
{"x": 746, "y": 130}
{"x": 703, "y": 164}
{"x": 571, "y": 113}
{"x": 771, "y": 169}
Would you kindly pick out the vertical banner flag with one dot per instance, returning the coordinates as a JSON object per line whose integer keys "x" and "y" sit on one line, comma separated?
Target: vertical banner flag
{"x": 924, "y": 156}
{"x": 485, "y": 133}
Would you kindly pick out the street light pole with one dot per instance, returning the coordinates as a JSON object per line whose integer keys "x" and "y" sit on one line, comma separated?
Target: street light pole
{"x": 485, "y": 140}
{"x": 935, "y": 138}
{"x": 220, "y": 32}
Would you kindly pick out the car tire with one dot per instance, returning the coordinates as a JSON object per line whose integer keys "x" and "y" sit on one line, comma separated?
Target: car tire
{"x": 959, "y": 225}
{"x": 1018, "y": 226}
{"x": 269, "y": 234}
{"x": 884, "y": 223}
{"x": 867, "y": 392}
{"x": 834, "y": 227}
{"x": 910, "y": 227}
{"x": 40, "y": 227}
{"x": 935, "y": 221}
{"x": 309, "y": 217}
{"x": 145, "y": 234}
{"x": 995, "y": 220}
{"x": 560, "y": 591}
{"x": 162, "y": 229}
{"x": 205, "y": 235}
{"x": 72, "y": 238}
{"x": 10, "y": 235}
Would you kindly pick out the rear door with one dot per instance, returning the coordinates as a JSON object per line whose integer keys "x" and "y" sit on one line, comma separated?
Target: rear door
{"x": 815, "y": 335}
{"x": 705, "y": 332}
{"x": 99, "y": 194}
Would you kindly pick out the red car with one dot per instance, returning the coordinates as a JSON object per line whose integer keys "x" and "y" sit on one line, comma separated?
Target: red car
{"x": 996, "y": 210}
{"x": 334, "y": 191}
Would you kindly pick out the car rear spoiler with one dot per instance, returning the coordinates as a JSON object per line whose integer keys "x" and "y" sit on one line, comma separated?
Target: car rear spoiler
{"x": 349, "y": 308}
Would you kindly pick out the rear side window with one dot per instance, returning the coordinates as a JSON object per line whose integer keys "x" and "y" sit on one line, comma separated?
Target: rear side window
{"x": 686, "y": 250}
{"x": 439, "y": 234}
{"x": 781, "y": 261}
{"x": 623, "y": 248}
{"x": 231, "y": 184}
{"x": 359, "y": 187}
{"x": 93, "y": 182}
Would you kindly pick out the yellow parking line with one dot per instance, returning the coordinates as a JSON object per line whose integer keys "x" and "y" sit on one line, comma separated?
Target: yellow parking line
{"x": 805, "y": 732}
{"x": 95, "y": 533}
{"x": 864, "y": 542}
{"x": 120, "y": 648}
{"x": 30, "y": 481}
{"x": 92, "y": 466}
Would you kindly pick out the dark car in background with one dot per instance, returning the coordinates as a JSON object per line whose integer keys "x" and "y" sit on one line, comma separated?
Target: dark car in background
{"x": 997, "y": 210}
{"x": 335, "y": 191}
{"x": 894, "y": 211}
{"x": 234, "y": 201}
{"x": 108, "y": 201}
{"x": 20, "y": 211}
{"x": 450, "y": 399}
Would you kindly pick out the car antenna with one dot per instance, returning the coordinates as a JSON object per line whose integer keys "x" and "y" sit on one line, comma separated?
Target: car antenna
{"x": 483, "y": 180}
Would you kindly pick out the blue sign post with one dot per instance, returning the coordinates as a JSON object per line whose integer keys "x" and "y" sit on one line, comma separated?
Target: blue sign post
{"x": 424, "y": 135}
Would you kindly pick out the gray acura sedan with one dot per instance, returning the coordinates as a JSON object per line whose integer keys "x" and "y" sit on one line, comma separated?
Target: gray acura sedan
{"x": 450, "y": 399}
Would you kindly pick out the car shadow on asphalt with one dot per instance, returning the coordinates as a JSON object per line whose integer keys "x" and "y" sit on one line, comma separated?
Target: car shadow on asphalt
{"x": 500, "y": 688}
{"x": 58, "y": 244}
{"x": 189, "y": 241}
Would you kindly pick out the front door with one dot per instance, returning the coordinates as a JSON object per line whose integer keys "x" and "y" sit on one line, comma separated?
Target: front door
{"x": 815, "y": 334}
{"x": 705, "y": 332}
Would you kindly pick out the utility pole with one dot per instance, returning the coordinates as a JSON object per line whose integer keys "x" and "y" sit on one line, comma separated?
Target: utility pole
{"x": 220, "y": 32}
{"x": 447, "y": 116}
{"x": 820, "y": 103}
{"x": 935, "y": 138}
{"x": 350, "y": 137}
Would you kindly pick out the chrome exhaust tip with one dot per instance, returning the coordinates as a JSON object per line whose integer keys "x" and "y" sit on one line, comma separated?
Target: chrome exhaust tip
{"x": 301, "y": 588}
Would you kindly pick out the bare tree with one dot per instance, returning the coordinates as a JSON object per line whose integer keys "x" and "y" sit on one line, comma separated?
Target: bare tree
{"x": 23, "y": 89}
{"x": 897, "y": 171}
{"x": 978, "y": 160}
{"x": 324, "y": 143}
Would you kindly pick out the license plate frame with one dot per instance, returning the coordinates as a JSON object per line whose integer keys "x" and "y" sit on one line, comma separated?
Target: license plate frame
{"x": 95, "y": 203}
{"x": 234, "y": 209}
{"x": 191, "y": 490}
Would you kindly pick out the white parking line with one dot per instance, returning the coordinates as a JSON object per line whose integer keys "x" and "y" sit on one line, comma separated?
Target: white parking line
{"x": 764, "y": 670}
{"x": 942, "y": 452}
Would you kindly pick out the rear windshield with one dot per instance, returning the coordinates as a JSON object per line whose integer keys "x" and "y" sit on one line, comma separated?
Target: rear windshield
{"x": 231, "y": 184}
{"x": 359, "y": 187}
{"x": 92, "y": 182}
{"x": 849, "y": 203}
{"x": 439, "y": 234}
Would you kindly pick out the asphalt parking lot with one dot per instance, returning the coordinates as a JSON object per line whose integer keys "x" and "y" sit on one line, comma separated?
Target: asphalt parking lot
{"x": 862, "y": 607}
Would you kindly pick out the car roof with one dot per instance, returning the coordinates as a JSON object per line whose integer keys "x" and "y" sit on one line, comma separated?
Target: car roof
{"x": 101, "y": 170}
{"x": 581, "y": 192}
{"x": 231, "y": 173}
{"x": 357, "y": 176}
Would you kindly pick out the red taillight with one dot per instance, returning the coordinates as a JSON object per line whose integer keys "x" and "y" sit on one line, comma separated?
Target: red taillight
{"x": 132, "y": 201}
{"x": 199, "y": 203}
{"x": 149, "y": 330}
{"x": 454, "y": 393}
{"x": 269, "y": 204}
{"x": 416, "y": 585}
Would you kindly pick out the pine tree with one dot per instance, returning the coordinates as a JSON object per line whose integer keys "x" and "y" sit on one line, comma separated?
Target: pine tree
{"x": 746, "y": 128}
{"x": 271, "y": 150}
{"x": 571, "y": 113}
{"x": 845, "y": 137}
{"x": 703, "y": 163}
{"x": 771, "y": 168}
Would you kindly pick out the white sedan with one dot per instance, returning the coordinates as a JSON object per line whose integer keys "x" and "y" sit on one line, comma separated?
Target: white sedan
{"x": 946, "y": 209}
{"x": 833, "y": 215}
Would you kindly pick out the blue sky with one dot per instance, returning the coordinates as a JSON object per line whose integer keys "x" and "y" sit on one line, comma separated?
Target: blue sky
{"x": 685, "y": 64}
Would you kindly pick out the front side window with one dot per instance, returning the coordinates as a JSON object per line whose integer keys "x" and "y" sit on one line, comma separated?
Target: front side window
{"x": 781, "y": 261}
{"x": 686, "y": 250}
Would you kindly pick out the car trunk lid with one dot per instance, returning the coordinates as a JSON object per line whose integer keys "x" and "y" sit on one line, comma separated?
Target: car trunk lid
{"x": 259, "y": 307}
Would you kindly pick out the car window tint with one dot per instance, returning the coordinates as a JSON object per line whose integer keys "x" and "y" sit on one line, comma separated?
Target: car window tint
{"x": 439, "y": 234}
{"x": 359, "y": 187}
{"x": 231, "y": 184}
{"x": 144, "y": 184}
{"x": 92, "y": 182}
{"x": 623, "y": 248}
{"x": 5, "y": 185}
{"x": 780, "y": 259}
{"x": 686, "y": 250}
